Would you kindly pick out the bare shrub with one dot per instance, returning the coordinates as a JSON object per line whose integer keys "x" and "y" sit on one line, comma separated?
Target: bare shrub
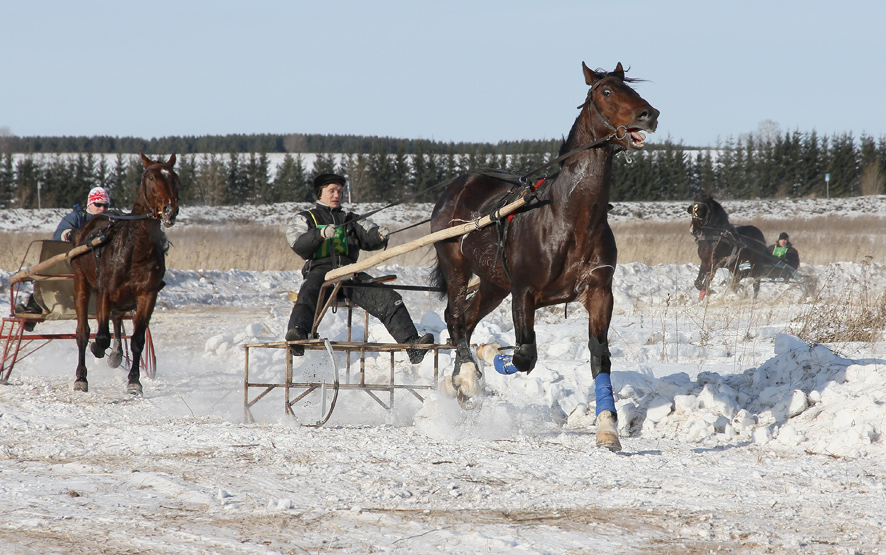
{"x": 872, "y": 179}
{"x": 856, "y": 315}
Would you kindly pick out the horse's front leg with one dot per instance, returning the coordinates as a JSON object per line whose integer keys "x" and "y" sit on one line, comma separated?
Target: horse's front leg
{"x": 81, "y": 306}
{"x": 598, "y": 303}
{"x": 523, "y": 311}
{"x": 143, "y": 311}
{"x": 103, "y": 333}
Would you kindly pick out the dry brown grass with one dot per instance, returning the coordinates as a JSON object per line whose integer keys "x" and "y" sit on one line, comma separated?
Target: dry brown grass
{"x": 819, "y": 240}
{"x": 240, "y": 246}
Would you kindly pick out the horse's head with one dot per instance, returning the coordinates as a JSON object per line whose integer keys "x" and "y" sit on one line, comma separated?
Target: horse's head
{"x": 616, "y": 109}
{"x": 158, "y": 193}
{"x": 701, "y": 215}
{"x": 708, "y": 214}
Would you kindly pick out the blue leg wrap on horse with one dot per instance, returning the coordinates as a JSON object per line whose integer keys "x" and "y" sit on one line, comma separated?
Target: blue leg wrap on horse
{"x": 603, "y": 388}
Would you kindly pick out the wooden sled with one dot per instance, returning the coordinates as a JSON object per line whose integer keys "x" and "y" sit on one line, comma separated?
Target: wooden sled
{"x": 53, "y": 291}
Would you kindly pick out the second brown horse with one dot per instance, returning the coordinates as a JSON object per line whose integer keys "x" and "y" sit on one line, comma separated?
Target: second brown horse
{"x": 126, "y": 271}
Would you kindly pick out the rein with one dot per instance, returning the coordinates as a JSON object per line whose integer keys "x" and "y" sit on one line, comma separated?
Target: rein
{"x": 589, "y": 102}
{"x": 151, "y": 216}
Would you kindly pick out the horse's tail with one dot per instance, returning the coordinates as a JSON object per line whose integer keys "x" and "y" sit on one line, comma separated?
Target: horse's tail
{"x": 437, "y": 280}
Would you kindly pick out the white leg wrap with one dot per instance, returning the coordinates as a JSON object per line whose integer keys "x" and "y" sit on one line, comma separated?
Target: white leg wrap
{"x": 487, "y": 352}
{"x": 467, "y": 382}
{"x": 607, "y": 434}
{"x": 446, "y": 387}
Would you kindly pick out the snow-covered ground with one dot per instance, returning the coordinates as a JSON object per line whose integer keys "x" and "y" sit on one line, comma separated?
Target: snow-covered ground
{"x": 737, "y": 436}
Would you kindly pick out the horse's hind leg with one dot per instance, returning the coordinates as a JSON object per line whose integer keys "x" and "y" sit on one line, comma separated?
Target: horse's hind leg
{"x": 144, "y": 309}
{"x": 466, "y": 376}
{"x": 452, "y": 266}
{"x": 115, "y": 357}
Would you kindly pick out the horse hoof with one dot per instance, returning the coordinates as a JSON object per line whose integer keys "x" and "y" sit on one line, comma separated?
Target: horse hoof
{"x": 81, "y": 385}
{"x": 97, "y": 351}
{"x": 464, "y": 401}
{"x": 115, "y": 360}
{"x": 134, "y": 389}
{"x": 467, "y": 403}
{"x": 607, "y": 434}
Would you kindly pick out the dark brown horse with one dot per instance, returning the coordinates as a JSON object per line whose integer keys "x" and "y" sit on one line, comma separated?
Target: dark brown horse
{"x": 557, "y": 249}
{"x": 741, "y": 250}
{"x": 126, "y": 271}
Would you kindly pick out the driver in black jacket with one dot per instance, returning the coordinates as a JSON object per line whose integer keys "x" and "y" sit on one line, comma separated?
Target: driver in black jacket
{"x": 318, "y": 236}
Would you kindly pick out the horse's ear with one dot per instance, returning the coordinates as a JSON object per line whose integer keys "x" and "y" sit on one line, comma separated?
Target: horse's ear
{"x": 591, "y": 76}
{"x": 145, "y": 160}
{"x": 171, "y": 161}
{"x": 619, "y": 72}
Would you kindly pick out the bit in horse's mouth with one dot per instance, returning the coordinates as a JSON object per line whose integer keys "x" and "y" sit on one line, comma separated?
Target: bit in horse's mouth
{"x": 637, "y": 138}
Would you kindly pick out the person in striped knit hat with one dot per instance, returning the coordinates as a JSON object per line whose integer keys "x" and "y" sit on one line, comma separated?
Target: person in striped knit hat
{"x": 97, "y": 202}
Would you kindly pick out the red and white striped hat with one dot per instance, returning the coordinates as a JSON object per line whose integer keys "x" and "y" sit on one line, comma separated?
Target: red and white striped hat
{"x": 98, "y": 194}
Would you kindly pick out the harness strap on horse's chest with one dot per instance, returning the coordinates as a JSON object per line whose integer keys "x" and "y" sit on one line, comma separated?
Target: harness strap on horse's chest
{"x": 532, "y": 189}
{"x": 503, "y": 225}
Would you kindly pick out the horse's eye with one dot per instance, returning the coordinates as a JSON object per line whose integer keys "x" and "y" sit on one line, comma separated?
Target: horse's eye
{"x": 606, "y": 92}
{"x": 151, "y": 177}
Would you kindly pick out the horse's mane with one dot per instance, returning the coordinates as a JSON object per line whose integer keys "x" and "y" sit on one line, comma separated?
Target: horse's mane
{"x": 605, "y": 74}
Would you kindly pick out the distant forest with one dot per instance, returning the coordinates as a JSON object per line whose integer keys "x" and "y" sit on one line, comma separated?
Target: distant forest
{"x": 233, "y": 169}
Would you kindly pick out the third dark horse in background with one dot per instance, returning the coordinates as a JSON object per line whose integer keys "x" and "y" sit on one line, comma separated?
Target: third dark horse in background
{"x": 742, "y": 250}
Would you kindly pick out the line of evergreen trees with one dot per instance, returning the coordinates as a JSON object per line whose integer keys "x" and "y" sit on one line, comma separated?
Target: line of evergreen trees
{"x": 786, "y": 165}
{"x": 33, "y": 172}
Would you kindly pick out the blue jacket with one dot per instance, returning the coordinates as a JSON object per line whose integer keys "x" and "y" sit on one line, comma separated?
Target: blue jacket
{"x": 73, "y": 221}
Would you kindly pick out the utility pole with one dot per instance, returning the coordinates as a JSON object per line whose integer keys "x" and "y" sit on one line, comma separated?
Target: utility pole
{"x": 827, "y": 185}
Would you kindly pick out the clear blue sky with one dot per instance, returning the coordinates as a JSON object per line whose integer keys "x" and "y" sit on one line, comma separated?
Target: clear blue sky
{"x": 455, "y": 70}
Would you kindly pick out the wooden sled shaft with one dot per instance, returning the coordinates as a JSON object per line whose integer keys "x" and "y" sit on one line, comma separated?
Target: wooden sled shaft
{"x": 447, "y": 233}
{"x": 23, "y": 275}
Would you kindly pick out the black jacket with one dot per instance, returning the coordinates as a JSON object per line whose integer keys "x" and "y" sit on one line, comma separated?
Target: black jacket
{"x": 305, "y": 239}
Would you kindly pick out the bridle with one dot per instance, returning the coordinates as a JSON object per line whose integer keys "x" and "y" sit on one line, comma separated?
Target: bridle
{"x": 155, "y": 215}
{"x": 591, "y": 105}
